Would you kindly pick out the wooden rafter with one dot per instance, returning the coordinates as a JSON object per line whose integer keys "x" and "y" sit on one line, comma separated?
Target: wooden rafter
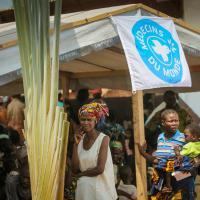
{"x": 112, "y": 13}
{"x": 92, "y": 63}
{"x": 99, "y": 74}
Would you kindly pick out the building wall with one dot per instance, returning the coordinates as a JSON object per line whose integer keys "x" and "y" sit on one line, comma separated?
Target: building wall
{"x": 192, "y": 12}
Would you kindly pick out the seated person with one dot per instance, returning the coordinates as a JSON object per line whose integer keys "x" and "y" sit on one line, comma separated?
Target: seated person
{"x": 23, "y": 188}
{"x": 125, "y": 189}
{"x": 15, "y": 163}
{"x": 5, "y": 148}
{"x": 117, "y": 157}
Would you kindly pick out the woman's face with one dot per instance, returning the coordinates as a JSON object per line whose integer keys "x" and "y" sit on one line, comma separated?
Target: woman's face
{"x": 171, "y": 122}
{"x": 88, "y": 123}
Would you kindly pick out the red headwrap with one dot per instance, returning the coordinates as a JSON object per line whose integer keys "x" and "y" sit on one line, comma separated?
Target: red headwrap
{"x": 94, "y": 109}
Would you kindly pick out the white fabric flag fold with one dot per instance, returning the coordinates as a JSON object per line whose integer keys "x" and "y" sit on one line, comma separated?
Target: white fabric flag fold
{"x": 153, "y": 51}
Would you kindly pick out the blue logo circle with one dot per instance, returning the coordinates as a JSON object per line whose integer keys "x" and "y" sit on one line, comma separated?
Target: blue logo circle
{"x": 158, "y": 50}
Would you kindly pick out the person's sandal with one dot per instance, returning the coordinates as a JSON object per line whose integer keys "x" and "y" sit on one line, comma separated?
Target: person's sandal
{"x": 166, "y": 190}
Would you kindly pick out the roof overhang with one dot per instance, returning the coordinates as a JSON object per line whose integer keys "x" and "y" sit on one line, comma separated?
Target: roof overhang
{"x": 91, "y": 54}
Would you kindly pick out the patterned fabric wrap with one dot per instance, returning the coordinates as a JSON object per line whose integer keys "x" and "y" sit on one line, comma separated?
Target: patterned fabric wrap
{"x": 170, "y": 166}
{"x": 185, "y": 165}
{"x": 155, "y": 177}
{"x": 94, "y": 109}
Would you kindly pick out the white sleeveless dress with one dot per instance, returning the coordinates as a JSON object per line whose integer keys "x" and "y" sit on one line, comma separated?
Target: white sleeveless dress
{"x": 101, "y": 187}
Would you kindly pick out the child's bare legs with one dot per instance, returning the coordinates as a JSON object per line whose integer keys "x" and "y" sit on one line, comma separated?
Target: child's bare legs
{"x": 167, "y": 187}
{"x": 168, "y": 181}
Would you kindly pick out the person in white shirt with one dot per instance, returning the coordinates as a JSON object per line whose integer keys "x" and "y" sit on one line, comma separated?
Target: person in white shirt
{"x": 125, "y": 189}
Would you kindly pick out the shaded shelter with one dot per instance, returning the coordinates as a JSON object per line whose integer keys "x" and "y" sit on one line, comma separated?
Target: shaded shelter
{"x": 90, "y": 50}
{"x": 91, "y": 56}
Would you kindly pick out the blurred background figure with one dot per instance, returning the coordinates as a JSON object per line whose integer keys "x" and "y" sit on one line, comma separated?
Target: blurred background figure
{"x": 97, "y": 95}
{"x": 148, "y": 105}
{"x": 81, "y": 99}
{"x": 60, "y": 100}
{"x": 3, "y": 112}
{"x": 15, "y": 114}
{"x": 126, "y": 190}
{"x": 113, "y": 129}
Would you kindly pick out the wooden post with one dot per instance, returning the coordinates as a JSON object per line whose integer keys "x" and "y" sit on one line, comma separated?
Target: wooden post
{"x": 139, "y": 137}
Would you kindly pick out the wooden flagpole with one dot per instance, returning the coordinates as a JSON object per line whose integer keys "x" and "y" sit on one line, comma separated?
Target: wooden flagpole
{"x": 139, "y": 137}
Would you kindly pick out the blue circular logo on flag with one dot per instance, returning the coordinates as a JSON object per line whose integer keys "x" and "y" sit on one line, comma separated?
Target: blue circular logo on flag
{"x": 158, "y": 50}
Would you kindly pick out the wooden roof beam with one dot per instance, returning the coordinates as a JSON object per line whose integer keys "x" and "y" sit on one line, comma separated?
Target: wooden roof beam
{"x": 116, "y": 50}
{"x": 99, "y": 74}
{"x": 194, "y": 68}
{"x": 92, "y": 63}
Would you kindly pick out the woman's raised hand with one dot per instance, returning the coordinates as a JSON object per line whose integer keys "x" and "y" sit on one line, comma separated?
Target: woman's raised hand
{"x": 78, "y": 135}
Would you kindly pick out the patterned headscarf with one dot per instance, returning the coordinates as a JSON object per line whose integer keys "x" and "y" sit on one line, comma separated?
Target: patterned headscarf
{"x": 94, "y": 109}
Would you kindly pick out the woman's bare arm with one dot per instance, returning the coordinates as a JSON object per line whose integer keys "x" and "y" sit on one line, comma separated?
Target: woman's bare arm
{"x": 75, "y": 160}
{"x": 102, "y": 157}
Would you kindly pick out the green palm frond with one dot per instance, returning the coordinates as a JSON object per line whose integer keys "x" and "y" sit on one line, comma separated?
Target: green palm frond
{"x": 46, "y": 128}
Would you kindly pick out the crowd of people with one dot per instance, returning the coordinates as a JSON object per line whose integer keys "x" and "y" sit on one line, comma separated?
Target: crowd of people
{"x": 14, "y": 169}
{"x": 98, "y": 167}
{"x": 100, "y": 160}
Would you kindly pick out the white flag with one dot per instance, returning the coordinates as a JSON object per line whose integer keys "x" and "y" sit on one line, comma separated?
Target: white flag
{"x": 153, "y": 51}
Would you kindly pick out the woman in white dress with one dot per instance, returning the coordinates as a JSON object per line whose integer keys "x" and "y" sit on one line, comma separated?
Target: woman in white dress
{"x": 91, "y": 160}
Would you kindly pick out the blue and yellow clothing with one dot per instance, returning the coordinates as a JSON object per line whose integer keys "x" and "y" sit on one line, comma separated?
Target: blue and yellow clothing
{"x": 165, "y": 147}
{"x": 185, "y": 165}
{"x": 165, "y": 153}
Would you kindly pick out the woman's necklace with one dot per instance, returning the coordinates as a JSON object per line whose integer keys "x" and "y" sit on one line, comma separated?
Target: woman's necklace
{"x": 89, "y": 141}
